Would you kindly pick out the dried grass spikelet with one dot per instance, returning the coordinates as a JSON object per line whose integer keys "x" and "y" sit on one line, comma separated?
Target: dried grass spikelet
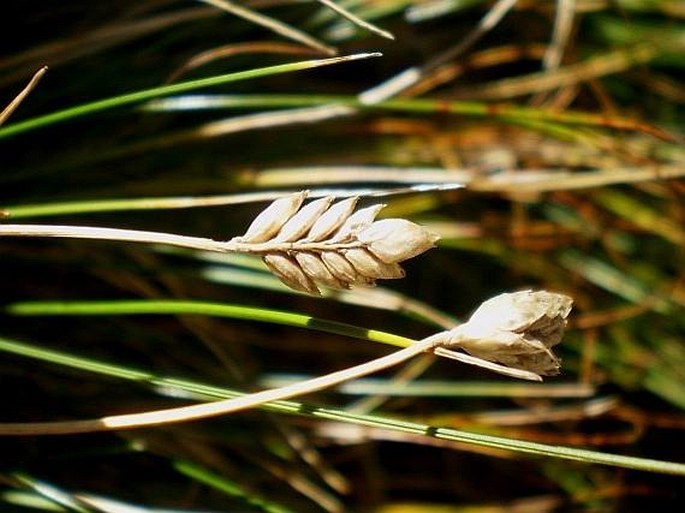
{"x": 270, "y": 220}
{"x": 516, "y": 329}
{"x": 396, "y": 240}
{"x": 290, "y": 272}
{"x": 330, "y": 244}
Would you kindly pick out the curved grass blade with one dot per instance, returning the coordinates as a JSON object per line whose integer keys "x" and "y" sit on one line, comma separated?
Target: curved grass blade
{"x": 149, "y": 94}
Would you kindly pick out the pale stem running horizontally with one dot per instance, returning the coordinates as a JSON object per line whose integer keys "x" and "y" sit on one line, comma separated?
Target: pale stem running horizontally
{"x": 213, "y": 409}
{"x": 526, "y": 324}
{"x": 322, "y": 242}
{"x": 148, "y": 237}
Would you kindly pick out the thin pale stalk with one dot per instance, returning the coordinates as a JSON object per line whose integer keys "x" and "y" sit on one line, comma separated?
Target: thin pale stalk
{"x": 516, "y": 180}
{"x": 272, "y": 24}
{"x": 411, "y": 76}
{"x": 148, "y": 237}
{"x": 563, "y": 23}
{"x": 213, "y": 409}
{"x": 14, "y": 104}
{"x": 356, "y": 19}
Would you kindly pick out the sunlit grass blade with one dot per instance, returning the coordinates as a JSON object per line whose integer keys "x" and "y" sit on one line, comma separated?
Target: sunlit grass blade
{"x": 442, "y": 388}
{"x": 62, "y": 208}
{"x": 181, "y": 87}
{"x": 342, "y": 31}
{"x": 50, "y": 492}
{"x": 172, "y": 307}
{"x": 30, "y": 500}
{"x": 239, "y": 270}
{"x": 360, "y": 22}
{"x": 129, "y": 204}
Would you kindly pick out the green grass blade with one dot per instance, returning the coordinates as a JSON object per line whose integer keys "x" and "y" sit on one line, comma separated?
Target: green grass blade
{"x": 226, "y": 486}
{"x": 173, "y": 307}
{"x": 117, "y": 205}
{"x": 30, "y": 501}
{"x": 50, "y": 492}
{"x": 149, "y": 94}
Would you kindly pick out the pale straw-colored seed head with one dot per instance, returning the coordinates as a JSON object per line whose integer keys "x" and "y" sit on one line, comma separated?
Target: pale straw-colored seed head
{"x": 396, "y": 240}
{"x": 339, "y": 266}
{"x": 517, "y": 330}
{"x": 330, "y": 244}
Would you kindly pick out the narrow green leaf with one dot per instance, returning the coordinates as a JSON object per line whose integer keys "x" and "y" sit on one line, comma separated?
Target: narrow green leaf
{"x": 181, "y": 87}
{"x": 227, "y": 486}
{"x": 166, "y": 307}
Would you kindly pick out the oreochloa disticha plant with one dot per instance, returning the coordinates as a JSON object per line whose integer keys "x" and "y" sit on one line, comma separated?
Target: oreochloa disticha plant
{"x": 330, "y": 243}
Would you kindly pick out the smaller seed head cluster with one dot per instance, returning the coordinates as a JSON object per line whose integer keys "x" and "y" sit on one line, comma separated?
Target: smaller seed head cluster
{"x": 516, "y": 329}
